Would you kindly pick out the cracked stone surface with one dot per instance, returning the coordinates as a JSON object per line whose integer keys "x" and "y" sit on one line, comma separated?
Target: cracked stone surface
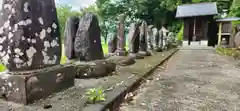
{"x": 192, "y": 80}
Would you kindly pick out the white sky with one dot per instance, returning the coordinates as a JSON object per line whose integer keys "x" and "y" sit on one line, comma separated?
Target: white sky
{"x": 76, "y": 4}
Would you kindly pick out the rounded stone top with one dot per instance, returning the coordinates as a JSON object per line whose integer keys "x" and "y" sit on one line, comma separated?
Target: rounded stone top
{"x": 151, "y": 26}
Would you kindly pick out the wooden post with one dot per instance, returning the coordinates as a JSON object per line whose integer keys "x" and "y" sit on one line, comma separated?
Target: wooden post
{"x": 194, "y": 29}
{"x": 219, "y": 34}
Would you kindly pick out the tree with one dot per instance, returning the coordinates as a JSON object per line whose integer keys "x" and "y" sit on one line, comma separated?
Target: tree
{"x": 63, "y": 12}
{"x": 235, "y": 8}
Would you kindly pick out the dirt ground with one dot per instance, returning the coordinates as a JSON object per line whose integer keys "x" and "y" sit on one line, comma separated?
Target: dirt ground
{"x": 192, "y": 80}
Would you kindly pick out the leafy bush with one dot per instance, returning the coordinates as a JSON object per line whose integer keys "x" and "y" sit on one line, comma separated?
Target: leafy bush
{"x": 95, "y": 95}
{"x": 235, "y": 53}
{"x": 2, "y": 68}
{"x": 180, "y": 34}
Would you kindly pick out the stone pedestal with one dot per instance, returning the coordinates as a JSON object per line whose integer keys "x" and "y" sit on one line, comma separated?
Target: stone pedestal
{"x": 27, "y": 86}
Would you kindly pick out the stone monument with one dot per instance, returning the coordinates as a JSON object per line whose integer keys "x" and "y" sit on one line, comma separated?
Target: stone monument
{"x": 31, "y": 50}
{"x": 121, "y": 51}
{"x": 150, "y": 38}
{"x": 143, "y": 39}
{"x": 112, "y": 44}
{"x": 133, "y": 39}
{"x": 87, "y": 45}
{"x": 70, "y": 31}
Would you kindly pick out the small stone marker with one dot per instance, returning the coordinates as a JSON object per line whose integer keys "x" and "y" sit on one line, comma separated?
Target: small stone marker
{"x": 87, "y": 44}
{"x": 121, "y": 51}
{"x": 30, "y": 37}
{"x": 71, "y": 28}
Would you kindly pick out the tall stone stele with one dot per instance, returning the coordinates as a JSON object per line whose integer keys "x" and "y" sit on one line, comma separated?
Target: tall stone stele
{"x": 160, "y": 39}
{"x": 133, "y": 38}
{"x": 156, "y": 39}
{"x": 87, "y": 45}
{"x": 30, "y": 42}
{"x": 150, "y": 38}
{"x": 121, "y": 51}
{"x": 143, "y": 38}
{"x": 70, "y": 31}
{"x": 29, "y": 34}
{"x": 112, "y": 44}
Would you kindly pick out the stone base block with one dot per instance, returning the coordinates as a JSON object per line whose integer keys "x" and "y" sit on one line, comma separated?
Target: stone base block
{"x": 122, "y": 60}
{"x": 27, "y": 87}
{"x": 158, "y": 49}
{"x": 95, "y": 69}
{"x": 121, "y": 53}
{"x": 144, "y": 53}
{"x": 136, "y": 56}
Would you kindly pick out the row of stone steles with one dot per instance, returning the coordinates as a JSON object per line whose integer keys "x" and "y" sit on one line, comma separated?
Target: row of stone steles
{"x": 141, "y": 38}
{"x": 82, "y": 39}
{"x": 30, "y": 47}
{"x": 30, "y": 37}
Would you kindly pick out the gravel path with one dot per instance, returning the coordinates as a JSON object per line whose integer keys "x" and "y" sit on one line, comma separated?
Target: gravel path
{"x": 193, "y": 80}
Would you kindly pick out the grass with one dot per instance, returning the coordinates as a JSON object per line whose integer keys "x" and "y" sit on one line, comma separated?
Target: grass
{"x": 235, "y": 53}
{"x": 63, "y": 58}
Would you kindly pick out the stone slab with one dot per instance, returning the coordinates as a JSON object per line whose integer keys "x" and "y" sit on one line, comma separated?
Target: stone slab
{"x": 26, "y": 87}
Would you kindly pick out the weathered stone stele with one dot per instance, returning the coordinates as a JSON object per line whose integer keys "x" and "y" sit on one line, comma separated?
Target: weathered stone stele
{"x": 150, "y": 37}
{"x": 133, "y": 38}
{"x": 165, "y": 37}
{"x": 155, "y": 38}
{"x": 237, "y": 40}
{"x": 121, "y": 51}
{"x": 112, "y": 44}
{"x": 70, "y": 31}
{"x": 29, "y": 34}
{"x": 143, "y": 37}
{"x": 87, "y": 43}
{"x": 160, "y": 39}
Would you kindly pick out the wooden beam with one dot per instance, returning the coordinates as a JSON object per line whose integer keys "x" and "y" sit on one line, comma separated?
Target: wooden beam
{"x": 219, "y": 34}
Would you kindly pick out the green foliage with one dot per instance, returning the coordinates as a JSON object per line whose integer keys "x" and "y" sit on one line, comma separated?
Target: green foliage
{"x": 236, "y": 3}
{"x": 95, "y": 95}
{"x": 2, "y": 68}
{"x": 180, "y": 34}
{"x": 235, "y": 53}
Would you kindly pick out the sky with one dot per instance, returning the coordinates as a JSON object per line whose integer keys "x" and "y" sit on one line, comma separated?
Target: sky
{"x": 76, "y": 4}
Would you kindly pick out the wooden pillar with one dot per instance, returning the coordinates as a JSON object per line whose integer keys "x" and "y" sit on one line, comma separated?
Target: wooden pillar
{"x": 194, "y": 29}
{"x": 219, "y": 34}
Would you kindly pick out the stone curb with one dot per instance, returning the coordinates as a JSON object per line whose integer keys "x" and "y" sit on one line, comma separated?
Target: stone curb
{"x": 121, "y": 92}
